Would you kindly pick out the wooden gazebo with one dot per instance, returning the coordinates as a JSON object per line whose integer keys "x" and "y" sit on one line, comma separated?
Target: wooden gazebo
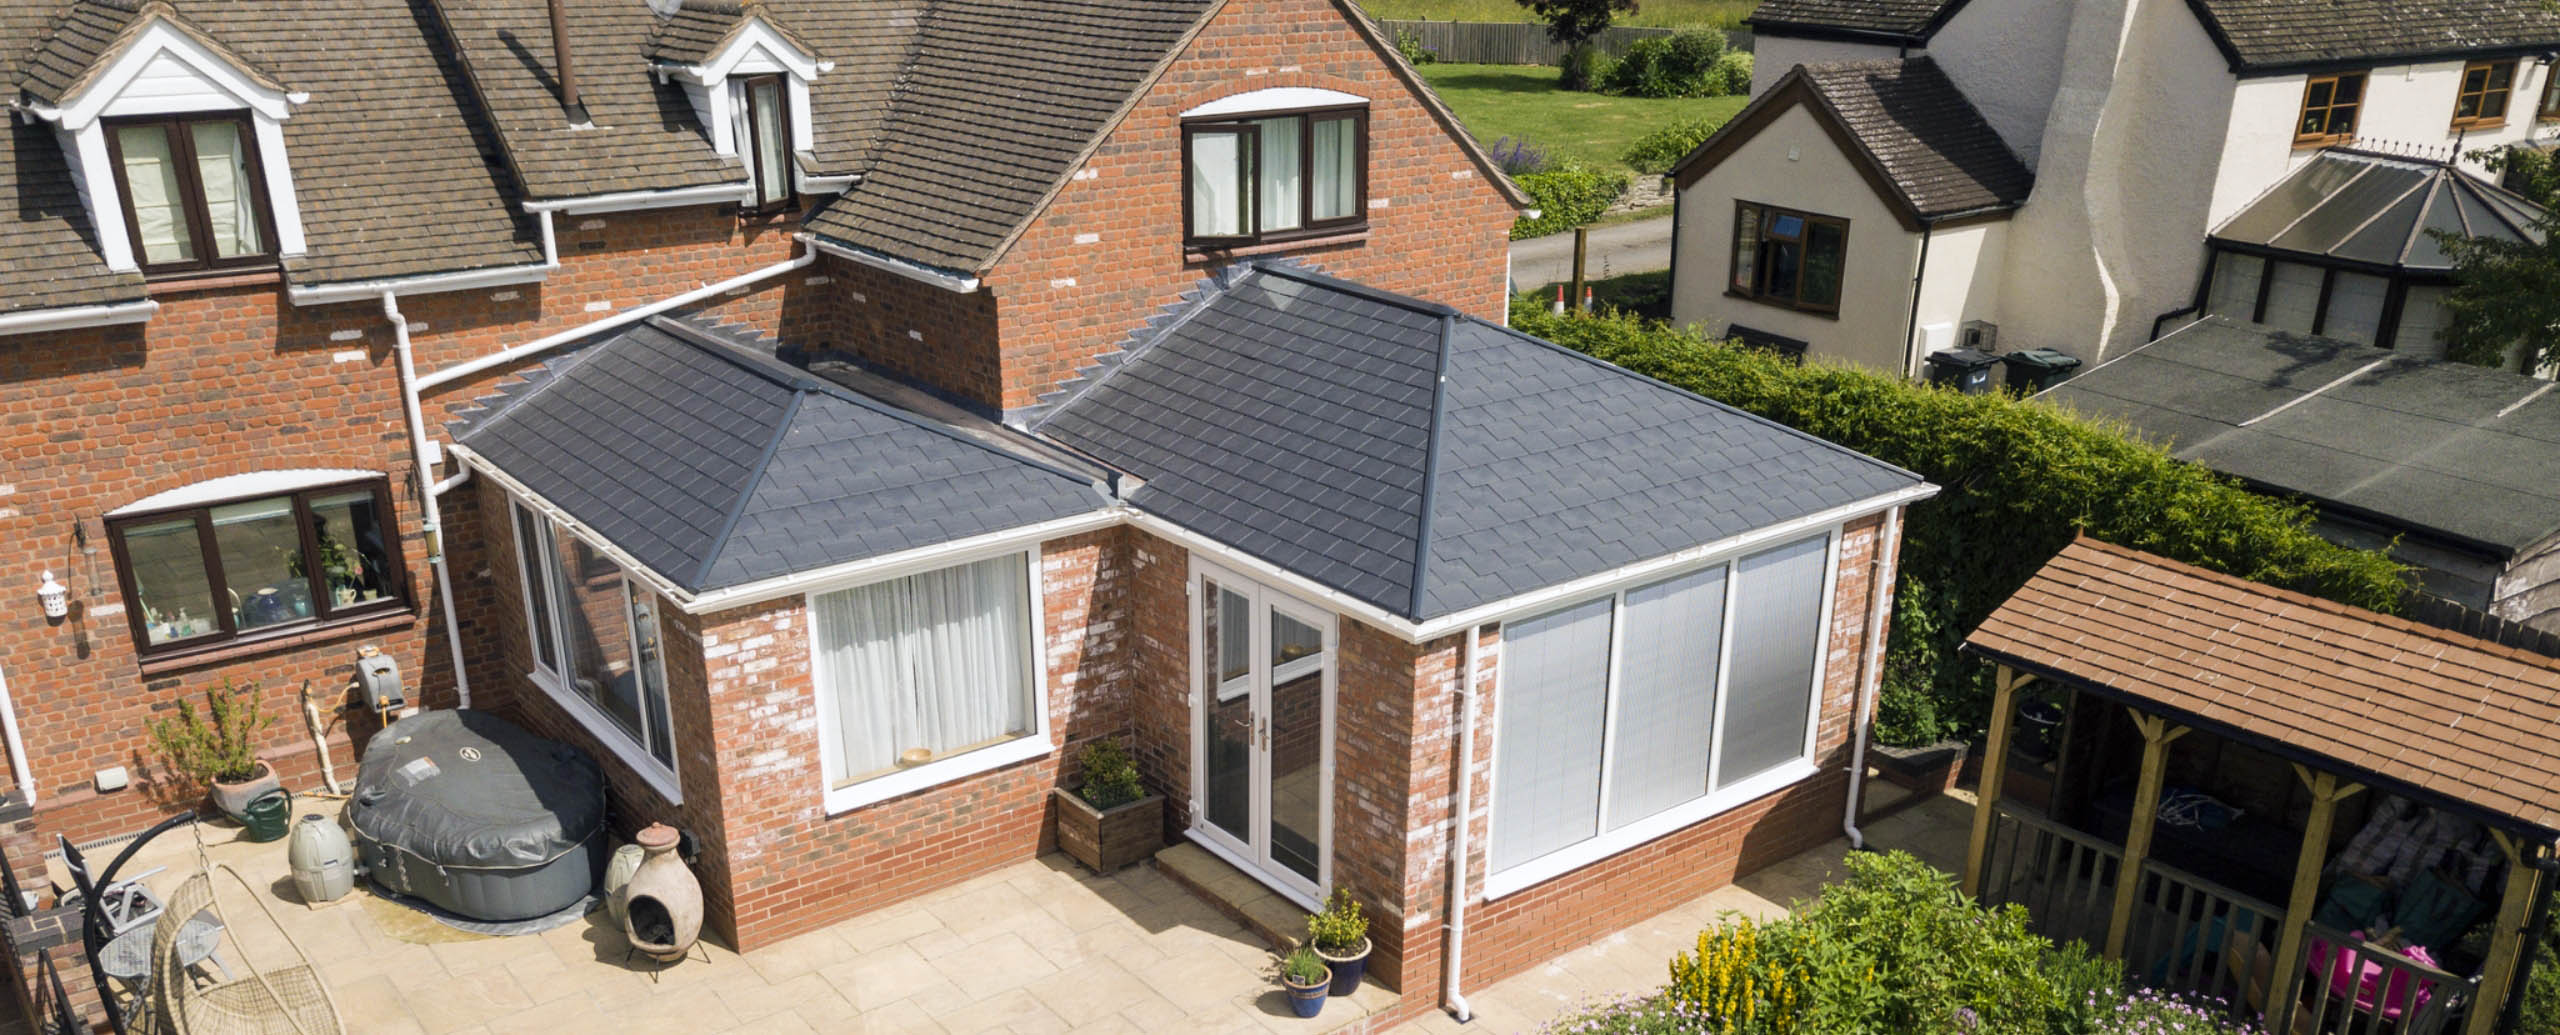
{"x": 2349, "y": 701}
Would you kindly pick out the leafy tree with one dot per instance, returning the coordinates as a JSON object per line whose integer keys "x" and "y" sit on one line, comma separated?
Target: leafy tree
{"x": 2508, "y": 292}
{"x": 1574, "y": 22}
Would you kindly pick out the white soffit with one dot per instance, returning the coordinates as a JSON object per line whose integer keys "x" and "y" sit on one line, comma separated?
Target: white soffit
{"x": 1277, "y": 98}
{"x": 239, "y": 486}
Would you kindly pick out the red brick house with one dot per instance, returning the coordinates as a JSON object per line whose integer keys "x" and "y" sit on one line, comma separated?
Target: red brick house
{"x": 830, "y": 415}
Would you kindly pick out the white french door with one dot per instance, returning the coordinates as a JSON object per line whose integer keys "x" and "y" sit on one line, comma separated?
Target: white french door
{"x": 1262, "y": 687}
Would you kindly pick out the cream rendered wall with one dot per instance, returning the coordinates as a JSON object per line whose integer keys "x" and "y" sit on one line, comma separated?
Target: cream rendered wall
{"x": 1792, "y": 163}
{"x": 2007, "y": 57}
{"x": 2405, "y": 106}
{"x": 1961, "y": 283}
{"x": 1772, "y": 56}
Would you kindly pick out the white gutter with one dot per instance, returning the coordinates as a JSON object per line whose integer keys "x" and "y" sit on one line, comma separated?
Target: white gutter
{"x": 356, "y": 290}
{"x": 512, "y": 354}
{"x": 19, "y": 770}
{"x": 78, "y": 316}
{"x": 909, "y": 270}
{"x": 1452, "y": 997}
{"x": 643, "y": 200}
{"x": 434, "y": 516}
{"x": 1889, "y": 538}
{"x": 826, "y": 184}
{"x": 455, "y": 482}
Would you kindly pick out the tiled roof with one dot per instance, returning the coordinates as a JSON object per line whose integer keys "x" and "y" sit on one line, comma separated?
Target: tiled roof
{"x": 2376, "y": 209}
{"x": 2450, "y": 450}
{"x": 961, "y": 167}
{"x": 1921, "y": 142}
{"x": 2264, "y": 35}
{"x": 1424, "y": 461}
{"x": 1909, "y": 19}
{"x": 716, "y": 467}
{"x": 2398, "y": 704}
{"x": 695, "y": 31}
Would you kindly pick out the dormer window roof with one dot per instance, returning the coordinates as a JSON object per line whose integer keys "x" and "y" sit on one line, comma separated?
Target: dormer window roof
{"x": 748, "y": 78}
{"x": 703, "y": 40}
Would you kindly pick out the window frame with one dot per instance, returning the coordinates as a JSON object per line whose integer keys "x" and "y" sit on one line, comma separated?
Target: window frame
{"x": 1250, "y": 189}
{"x": 1034, "y": 743}
{"x": 630, "y": 747}
{"x": 2506, "y": 94}
{"x": 1759, "y": 258}
{"x": 325, "y": 614}
{"x": 2364, "y": 90}
{"x": 757, "y": 204}
{"x": 199, "y": 215}
{"x": 1720, "y": 797}
{"x": 2547, "y": 109}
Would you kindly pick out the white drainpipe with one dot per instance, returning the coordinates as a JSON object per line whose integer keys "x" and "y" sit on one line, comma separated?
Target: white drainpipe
{"x": 503, "y": 357}
{"x": 1888, "y": 539}
{"x": 18, "y": 768}
{"x": 428, "y": 489}
{"x": 1455, "y": 999}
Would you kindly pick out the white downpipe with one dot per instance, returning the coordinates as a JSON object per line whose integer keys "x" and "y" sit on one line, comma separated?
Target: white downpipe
{"x": 505, "y": 356}
{"x": 1889, "y": 538}
{"x": 434, "y": 514}
{"x": 1454, "y": 998}
{"x": 460, "y": 475}
{"x": 18, "y": 768}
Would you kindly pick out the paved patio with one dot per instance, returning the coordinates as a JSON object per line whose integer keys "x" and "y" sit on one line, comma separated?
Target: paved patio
{"x": 1036, "y": 947}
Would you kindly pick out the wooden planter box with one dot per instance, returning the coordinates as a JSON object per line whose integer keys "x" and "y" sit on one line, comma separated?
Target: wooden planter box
{"x": 1107, "y": 840}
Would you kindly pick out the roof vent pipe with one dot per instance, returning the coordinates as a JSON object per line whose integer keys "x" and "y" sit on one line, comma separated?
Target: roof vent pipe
{"x": 569, "y": 102}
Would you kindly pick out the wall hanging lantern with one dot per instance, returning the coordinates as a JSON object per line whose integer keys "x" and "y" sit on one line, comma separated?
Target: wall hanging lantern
{"x": 56, "y": 597}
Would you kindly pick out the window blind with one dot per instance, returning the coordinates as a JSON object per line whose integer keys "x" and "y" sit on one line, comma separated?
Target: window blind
{"x": 1553, "y": 695}
{"x": 1665, "y": 709}
{"x": 1777, "y": 622}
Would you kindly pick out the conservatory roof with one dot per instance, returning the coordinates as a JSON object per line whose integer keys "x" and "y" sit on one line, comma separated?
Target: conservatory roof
{"x": 2376, "y": 210}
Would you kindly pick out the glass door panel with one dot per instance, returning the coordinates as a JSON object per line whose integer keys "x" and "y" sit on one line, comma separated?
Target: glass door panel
{"x": 1226, "y": 629}
{"x": 1297, "y": 744}
{"x": 1265, "y": 697}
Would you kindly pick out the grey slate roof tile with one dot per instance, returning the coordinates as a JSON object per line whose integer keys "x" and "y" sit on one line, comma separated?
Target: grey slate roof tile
{"x": 1551, "y": 465}
{"x": 717, "y": 468}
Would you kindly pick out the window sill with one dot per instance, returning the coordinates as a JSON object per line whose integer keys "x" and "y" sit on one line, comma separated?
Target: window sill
{"x": 1330, "y": 240}
{"x": 1566, "y": 860}
{"x": 932, "y": 774}
{"x": 629, "y": 752}
{"x": 2468, "y": 125}
{"x": 212, "y": 280}
{"x": 238, "y": 649}
{"x": 1819, "y": 314}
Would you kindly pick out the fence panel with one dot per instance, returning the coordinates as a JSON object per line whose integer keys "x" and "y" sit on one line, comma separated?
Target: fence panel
{"x": 2446, "y": 614}
{"x": 1521, "y": 43}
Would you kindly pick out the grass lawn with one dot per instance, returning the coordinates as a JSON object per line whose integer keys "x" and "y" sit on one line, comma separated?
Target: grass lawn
{"x": 1674, "y": 14}
{"x": 1518, "y": 101}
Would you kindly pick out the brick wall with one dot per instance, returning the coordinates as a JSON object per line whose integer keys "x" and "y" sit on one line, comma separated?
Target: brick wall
{"x": 940, "y": 339}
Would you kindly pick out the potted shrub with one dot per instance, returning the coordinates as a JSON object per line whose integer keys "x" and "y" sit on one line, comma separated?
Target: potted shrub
{"x": 1306, "y": 977}
{"x": 1110, "y": 820}
{"x": 1341, "y": 936}
{"x": 219, "y": 747}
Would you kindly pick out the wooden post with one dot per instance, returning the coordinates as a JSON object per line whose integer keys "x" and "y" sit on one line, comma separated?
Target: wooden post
{"x": 2157, "y": 735}
{"x": 1581, "y": 247}
{"x": 2286, "y": 978}
{"x": 1995, "y": 757}
{"x": 2506, "y": 939}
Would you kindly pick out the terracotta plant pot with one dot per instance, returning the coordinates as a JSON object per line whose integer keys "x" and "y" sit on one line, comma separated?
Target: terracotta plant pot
{"x": 1105, "y": 840}
{"x": 1347, "y": 969}
{"x": 1306, "y": 1000}
{"x": 234, "y": 798}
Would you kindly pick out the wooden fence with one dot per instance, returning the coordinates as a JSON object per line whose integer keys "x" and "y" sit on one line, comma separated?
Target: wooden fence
{"x": 2445, "y": 614}
{"x": 1521, "y": 43}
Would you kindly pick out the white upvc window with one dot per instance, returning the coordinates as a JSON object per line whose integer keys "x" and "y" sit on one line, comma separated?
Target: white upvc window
{"x": 597, "y": 647}
{"x": 928, "y": 677}
{"x": 1627, "y": 716}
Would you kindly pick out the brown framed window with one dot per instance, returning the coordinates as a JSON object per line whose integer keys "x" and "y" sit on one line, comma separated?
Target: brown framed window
{"x": 2330, "y": 104}
{"x": 764, "y": 123}
{"x": 1274, "y": 177}
{"x": 2486, "y": 86}
{"x": 1788, "y": 258}
{"x": 2549, "y": 108}
{"x": 256, "y": 567}
{"x": 193, "y": 192}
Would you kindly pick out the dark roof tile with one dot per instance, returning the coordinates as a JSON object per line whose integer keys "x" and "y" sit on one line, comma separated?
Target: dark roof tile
{"x": 2263, "y": 35}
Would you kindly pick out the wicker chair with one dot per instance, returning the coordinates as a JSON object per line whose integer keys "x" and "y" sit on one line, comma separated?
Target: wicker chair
{"x": 290, "y": 1000}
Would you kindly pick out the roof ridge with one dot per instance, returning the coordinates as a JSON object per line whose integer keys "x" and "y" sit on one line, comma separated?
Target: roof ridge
{"x": 747, "y": 492}
{"x": 1430, "y": 494}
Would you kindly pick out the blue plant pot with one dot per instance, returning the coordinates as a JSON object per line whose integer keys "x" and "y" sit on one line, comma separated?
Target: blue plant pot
{"x": 1347, "y": 970}
{"x": 1306, "y": 1000}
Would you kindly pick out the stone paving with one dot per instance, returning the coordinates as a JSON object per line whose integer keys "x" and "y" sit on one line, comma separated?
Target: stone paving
{"x": 1036, "y": 947}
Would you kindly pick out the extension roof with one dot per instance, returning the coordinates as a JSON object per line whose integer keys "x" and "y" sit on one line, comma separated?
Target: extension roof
{"x": 2271, "y": 36}
{"x": 2458, "y": 453}
{"x": 2422, "y": 711}
{"x": 1897, "y": 22}
{"x": 1915, "y": 137}
{"x": 1424, "y": 461}
{"x": 2375, "y": 210}
{"x": 716, "y": 466}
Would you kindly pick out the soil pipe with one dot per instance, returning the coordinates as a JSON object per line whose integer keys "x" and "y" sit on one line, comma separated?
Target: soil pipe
{"x": 569, "y": 103}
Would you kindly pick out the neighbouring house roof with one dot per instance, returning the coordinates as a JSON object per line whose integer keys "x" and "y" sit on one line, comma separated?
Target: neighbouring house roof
{"x": 93, "y": 33}
{"x": 50, "y": 246}
{"x": 2460, "y": 453}
{"x": 2268, "y": 36}
{"x": 1881, "y": 21}
{"x": 1920, "y": 143}
{"x": 1423, "y": 461}
{"x": 2356, "y": 207}
{"x": 2398, "y": 704}
{"x": 697, "y": 30}
{"x": 717, "y": 466}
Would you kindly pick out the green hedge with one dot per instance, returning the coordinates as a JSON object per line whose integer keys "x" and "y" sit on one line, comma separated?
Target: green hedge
{"x": 2017, "y": 480}
{"x": 1654, "y": 152}
{"x": 1567, "y": 196}
{"x": 1690, "y": 64}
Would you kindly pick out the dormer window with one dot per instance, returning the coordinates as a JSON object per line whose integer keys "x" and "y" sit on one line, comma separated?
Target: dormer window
{"x": 764, "y": 127}
{"x": 193, "y": 193}
{"x": 1275, "y": 165}
{"x": 748, "y": 79}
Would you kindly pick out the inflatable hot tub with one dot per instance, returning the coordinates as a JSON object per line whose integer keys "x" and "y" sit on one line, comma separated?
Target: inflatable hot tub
{"x": 472, "y": 814}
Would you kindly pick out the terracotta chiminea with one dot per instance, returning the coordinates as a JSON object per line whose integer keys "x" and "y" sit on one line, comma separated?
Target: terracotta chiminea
{"x": 662, "y": 906}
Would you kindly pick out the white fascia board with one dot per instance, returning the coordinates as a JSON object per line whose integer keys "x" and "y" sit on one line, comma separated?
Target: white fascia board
{"x": 909, "y": 270}
{"x": 283, "y": 202}
{"x": 86, "y": 151}
{"x": 163, "y": 38}
{"x": 642, "y": 200}
{"x": 751, "y": 38}
{"x": 427, "y": 284}
{"x": 1276, "y": 98}
{"x": 905, "y": 562}
{"x": 34, "y": 320}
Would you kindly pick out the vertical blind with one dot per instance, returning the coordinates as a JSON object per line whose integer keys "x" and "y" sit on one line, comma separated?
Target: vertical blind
{"x": 939, "y": 661}
{"x": 1777, "y": 621}
{"x": 1662, "y": 720}
{"x": 1554, "y": 687}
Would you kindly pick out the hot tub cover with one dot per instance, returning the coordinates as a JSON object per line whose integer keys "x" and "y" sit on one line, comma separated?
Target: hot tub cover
{"x": 468, "y": 789}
